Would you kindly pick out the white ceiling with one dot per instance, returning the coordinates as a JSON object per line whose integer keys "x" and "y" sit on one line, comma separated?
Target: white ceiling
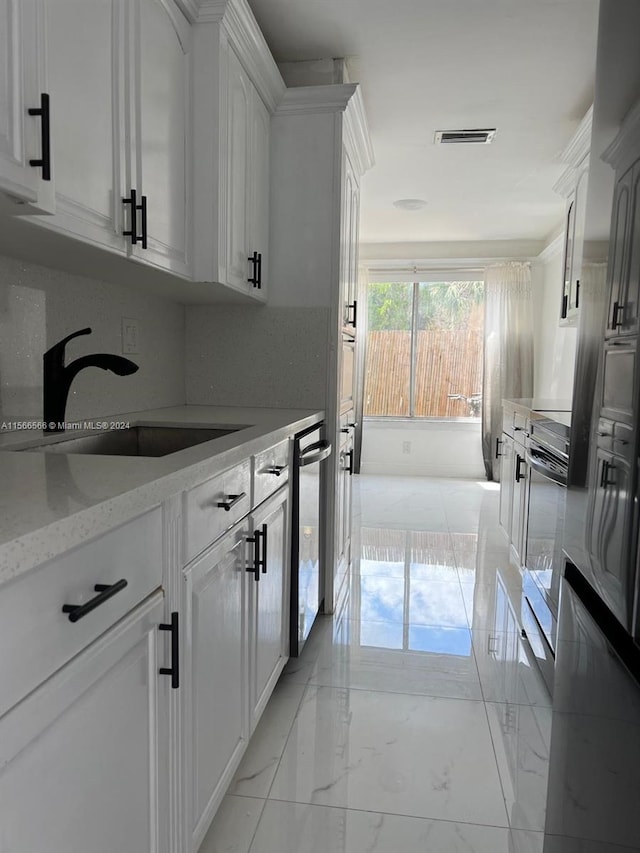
{"x": 523, "y": 66}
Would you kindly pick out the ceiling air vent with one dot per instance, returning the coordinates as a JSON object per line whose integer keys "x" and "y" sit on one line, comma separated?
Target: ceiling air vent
{"x": 478, "y": 136}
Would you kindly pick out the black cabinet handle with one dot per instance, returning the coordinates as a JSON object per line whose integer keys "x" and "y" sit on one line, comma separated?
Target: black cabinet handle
{"x": 133, "y": 231}
{"x": 577, "y": 293}
{"x": 349, "y": 467}
{"x": 352, "y": 306}
{"x": 604, "y": 474}
{"x": 105, "y": 592}
{"x": 174, "y": 669}
{"x": 565, "y": 306}
{"x": 276, "y": 470}
{"x": 259, "y": 270}
{"x": 617, "y": 308}
{"x": 498, "y": 443}
{"x": 264, "y": 549}
{"x": 519, "y": 461}
{"x": 143, "y": 211}
{"x": 259, "y": 562}
{"x": 44, "y": 111}
{"x": 256, "y": 260}
{"x": 230, "y": 501}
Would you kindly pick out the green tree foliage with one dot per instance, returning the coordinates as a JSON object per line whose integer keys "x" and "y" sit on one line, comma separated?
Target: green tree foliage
{"x": 443, "y": 305}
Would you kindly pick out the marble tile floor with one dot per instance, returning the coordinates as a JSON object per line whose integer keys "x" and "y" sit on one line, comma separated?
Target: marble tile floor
{"x": 415, "y": 720}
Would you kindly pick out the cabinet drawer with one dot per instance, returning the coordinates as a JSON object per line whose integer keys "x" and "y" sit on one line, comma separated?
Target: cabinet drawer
{"x": 507, "y": 421}
{"x": 270, "y": 471}
{"x": 204, "y": 508}
{"x": 40, "y": 637}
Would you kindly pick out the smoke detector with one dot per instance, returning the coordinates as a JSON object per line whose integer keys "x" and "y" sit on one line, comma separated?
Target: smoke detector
{"x": 477, "y": 136}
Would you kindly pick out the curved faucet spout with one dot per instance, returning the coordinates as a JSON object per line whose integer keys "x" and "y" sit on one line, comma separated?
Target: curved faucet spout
{"x": 58, "y": 377}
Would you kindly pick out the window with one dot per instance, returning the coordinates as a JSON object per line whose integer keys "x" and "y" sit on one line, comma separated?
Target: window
{"x": 424, "y": 350}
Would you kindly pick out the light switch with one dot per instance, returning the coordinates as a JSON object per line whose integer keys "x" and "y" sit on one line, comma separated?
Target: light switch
{"x": 130, "y": 336}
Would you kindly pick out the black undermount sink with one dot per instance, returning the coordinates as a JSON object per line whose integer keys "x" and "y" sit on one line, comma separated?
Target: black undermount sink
{"x": 137, "y": 440}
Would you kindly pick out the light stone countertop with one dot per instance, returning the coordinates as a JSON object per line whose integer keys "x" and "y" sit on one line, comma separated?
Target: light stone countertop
{"x": 53, "y": 502}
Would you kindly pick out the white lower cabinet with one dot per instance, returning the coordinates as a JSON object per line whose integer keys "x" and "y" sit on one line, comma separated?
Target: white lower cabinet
{"x": 216, "y": 665}
{"x": 268, "y": 597}
{"x": 84, "y": 757}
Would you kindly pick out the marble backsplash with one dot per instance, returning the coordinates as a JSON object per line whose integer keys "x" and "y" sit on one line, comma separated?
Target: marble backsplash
{"x": 256, "y": 356}
{"x": 39, "y": 306}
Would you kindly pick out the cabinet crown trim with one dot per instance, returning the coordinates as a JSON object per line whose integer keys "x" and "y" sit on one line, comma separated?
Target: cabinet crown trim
{"x": 576, "y": 156}
{"x": 236, "y": 19}
{"x": 356, "y": 134}
{"x": 623, "y": 151}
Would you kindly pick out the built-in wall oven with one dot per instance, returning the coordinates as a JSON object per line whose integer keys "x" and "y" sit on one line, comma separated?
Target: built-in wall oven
{"x": 547, "y": 456}
{"x": 310, "y": 449}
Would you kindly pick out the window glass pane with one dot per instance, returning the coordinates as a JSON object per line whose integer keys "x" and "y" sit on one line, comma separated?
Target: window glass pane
{"x": 450, "y": 330}
{"x": 388, "y": 372}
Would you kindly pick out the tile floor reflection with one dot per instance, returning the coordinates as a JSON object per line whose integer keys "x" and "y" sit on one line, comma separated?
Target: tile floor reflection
{"x": 415, "y": 719}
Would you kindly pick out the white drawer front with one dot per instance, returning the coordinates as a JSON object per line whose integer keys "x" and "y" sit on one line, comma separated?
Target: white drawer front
{"x": 37, "y": 637}
{"x": 270, "y": 471}
{"x": 205, "y": 515}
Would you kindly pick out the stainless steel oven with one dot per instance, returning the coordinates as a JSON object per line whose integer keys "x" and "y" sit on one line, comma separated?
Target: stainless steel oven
{"x": 547, "y": 456}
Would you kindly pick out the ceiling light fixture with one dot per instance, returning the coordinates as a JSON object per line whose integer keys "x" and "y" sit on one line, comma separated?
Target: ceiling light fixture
{"x": 410, "y": 203}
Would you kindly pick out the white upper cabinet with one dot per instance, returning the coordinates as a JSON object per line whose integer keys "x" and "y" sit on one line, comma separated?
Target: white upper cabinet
{"x": 235, "y": 92}
{"x": 87, "y": 131}
{"x": 159, "y": 81}
{"x": 573, "y": 187}
{"x": 119, "y": 81}
{"x": 25, "y": 187}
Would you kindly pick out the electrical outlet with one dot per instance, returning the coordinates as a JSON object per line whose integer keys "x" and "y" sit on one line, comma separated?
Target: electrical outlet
{"x": 406, "y": 447}
{"x": 130, "y": 336}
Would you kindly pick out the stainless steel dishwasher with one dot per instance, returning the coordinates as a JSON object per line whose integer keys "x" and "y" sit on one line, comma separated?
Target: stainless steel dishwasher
{"x": 307, "y": 524}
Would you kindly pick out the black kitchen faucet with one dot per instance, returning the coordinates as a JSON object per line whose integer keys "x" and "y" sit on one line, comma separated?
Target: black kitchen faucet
{"x": 58, "y": 377}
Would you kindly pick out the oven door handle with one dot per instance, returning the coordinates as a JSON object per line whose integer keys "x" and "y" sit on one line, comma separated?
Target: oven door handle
{"x": 315, "y": 452}
{"x": 536, "y": 464}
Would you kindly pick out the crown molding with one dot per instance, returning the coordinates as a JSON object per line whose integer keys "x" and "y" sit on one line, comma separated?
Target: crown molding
{"x": 236, "y": 19}
{"x": 356, "y": 134}
{"x": 189, "y": 8}
{"x": 316, "y": 99}
{"x": 623, "y": 151}
{"x": 575, "y": 155}
{"x": 580, "y": 143}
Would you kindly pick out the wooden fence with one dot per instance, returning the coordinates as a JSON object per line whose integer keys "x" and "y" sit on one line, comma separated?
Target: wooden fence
{"x": 447, "y": 362}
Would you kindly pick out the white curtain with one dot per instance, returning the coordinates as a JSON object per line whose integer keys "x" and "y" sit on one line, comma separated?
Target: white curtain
{"x": 508, "y": 349}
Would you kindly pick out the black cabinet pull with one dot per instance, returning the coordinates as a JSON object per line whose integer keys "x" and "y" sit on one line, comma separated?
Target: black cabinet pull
{"x": 276, "y": 470}
{"x": 565, "y": 306}
{"x": 263, "y": 561}
{"x": 174, "y": 669}
{"x": 133, "y": 231}
{"x": 604, "y": 474}
{"x": 105, "y": 592}
{"x": 143, "y": 211}
{"x": 352, "y": 306}
{"x": 498, "y": 443}
{"x": 256, "y": 260}
{"x": 349, "y": 467}
{"x": 230, "y": 501}
{"x": 44, "y": 111}
{"x": 519, "y": 461}
{"x": 615, "y": 322}
{"x": 577, "y": 293}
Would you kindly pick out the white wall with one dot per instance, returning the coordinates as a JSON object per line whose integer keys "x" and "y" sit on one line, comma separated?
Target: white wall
{"x": 39, "y": 306}
{"x": 436, "y": 449}
{"x": 554, "y": 345}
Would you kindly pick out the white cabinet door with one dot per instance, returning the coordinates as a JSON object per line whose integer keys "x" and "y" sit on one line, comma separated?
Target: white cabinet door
{"x": 84, "y": 757}
{"x": 159, "y": 80}
{"x": 268, "y": 598}
{"x": 22, "y": 83}
{"x": 239, "y": 94}
{"x": 260, "y": 131}
{"x": 85, "y": 55}
{"x": 343, "y": 505}
{"x": 217, "y": 674}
